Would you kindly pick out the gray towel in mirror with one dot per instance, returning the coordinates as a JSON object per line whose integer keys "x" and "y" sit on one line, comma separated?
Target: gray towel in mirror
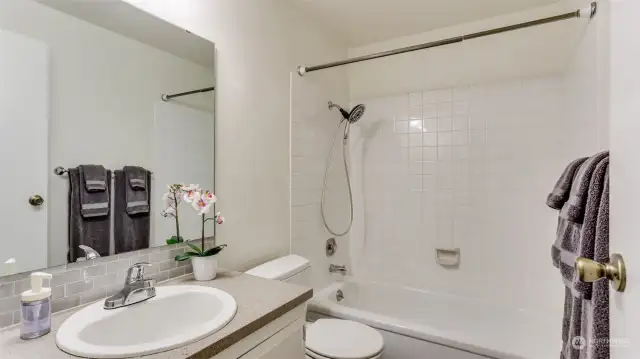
{"x": 94, "y": 177}
{"x": 132, "y": 231}
{"x": 95, "y": 231}
{"x": 94, "y": 191}
{"x": 137, "y": 193}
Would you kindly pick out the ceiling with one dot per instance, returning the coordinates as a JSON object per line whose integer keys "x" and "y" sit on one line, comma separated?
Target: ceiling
{"x": 363, "y": 22}
{"x": 134, "y": 23}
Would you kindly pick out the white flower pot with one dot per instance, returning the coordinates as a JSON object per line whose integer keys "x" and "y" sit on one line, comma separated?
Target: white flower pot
{"x": 204, "y": 268}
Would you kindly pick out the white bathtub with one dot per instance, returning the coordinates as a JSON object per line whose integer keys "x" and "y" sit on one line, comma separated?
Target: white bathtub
{"x": 423, "y": 325}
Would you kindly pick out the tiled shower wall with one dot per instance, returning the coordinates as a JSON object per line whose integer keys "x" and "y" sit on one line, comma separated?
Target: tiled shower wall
{"x": 84, "y": 282}
{"x": 470, "y": 168}
{"x": 313, "y": 127}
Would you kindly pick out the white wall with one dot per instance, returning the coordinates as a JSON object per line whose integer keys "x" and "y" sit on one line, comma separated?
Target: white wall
{"x": 586, "y": 76}
{"x": 534, "y": 51}
{"x": 104, "y": 87}
{"x": 460, "y": 147}
{"x": 625, "y": 91}
{"x": 259, "y": 43}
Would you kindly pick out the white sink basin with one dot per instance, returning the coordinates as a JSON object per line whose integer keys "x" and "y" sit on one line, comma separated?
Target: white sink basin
{"x": 176, "y": 316}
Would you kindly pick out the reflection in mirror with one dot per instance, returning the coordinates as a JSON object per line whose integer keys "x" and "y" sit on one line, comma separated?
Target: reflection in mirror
{"x": 102, "y": 106}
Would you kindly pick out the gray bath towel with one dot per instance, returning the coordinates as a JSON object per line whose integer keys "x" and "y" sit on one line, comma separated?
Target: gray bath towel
{"x": 592, "y": 215}
{"x": 562, "y": 189}
{"x": 556, "y": 200}
{"x": 137, "y": 193}
{"x": 94, "y": 191}
{"x": 566, "y": 244}
{"x": 578, "y": 236}
{"x": 581, "y": 293}
{"x": 572, "y": 325}
{"x": 579, "y": 239}
{"x": 94, "y": 232}
{"x": 94, "y": 177}
{"x": 566, "y": 247}
{"x": 579, "y": 189}
{"x": 131, "y": 231}
{"x": 597, "y": 310}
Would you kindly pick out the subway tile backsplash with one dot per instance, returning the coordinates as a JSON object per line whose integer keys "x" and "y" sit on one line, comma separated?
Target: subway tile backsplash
{"x": 84, "y": 282}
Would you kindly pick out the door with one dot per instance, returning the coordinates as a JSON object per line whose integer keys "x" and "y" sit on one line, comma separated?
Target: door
{"x": 625, "y": 173}
{"x": 24, "y": 118}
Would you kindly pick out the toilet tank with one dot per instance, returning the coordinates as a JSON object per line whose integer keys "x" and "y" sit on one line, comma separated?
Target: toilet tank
{"x": 291, "y": 269}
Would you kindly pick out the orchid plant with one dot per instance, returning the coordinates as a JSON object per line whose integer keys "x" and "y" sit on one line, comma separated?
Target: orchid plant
{"x": 201, "y": 201}
{"x": 172, "y": 199}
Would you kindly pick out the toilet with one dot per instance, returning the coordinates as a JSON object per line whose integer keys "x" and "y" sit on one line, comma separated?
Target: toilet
{"x": 325, "y": 338}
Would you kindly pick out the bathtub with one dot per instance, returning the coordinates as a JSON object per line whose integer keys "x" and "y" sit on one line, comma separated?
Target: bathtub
{"x": 422, "y": 325}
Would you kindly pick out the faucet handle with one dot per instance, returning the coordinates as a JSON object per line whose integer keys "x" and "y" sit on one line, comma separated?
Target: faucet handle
{"x": 136, "y": 272}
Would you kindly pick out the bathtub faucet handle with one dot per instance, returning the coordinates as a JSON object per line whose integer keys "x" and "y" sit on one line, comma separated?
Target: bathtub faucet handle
{"x": 338, "y": 269}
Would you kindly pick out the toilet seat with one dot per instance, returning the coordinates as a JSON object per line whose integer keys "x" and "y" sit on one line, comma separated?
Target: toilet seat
{"x": 342, "y": 339}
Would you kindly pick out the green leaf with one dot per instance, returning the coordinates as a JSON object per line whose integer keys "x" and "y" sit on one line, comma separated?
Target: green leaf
{"x": 185, "y": 256}
{"x": 194, "y": 247}
{"x": 213, "y": 251}
{"x": 174, "y": 240}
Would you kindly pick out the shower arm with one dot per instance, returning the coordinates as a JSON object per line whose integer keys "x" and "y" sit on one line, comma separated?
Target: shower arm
{"x": 333, "y": 105}
{"x": 345, "y": 114}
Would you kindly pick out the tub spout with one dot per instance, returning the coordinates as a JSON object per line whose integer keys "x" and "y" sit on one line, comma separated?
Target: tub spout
{"x": 338, "y": 269}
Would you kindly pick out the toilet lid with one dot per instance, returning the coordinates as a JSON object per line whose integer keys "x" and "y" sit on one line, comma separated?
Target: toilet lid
{"x": 343, "y": 339}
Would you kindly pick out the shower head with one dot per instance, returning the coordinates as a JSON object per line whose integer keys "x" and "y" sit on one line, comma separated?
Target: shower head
{"x": 356, "y": 113}
{"x": 353, "y": 116}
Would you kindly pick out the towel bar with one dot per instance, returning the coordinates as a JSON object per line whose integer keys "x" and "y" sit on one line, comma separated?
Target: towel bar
{"x": 61, "y": 170}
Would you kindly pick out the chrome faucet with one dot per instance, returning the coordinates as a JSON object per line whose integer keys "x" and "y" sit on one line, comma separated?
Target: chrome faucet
{"x": 89, "y": 253}
{"x": 338, "y": 269}
{"x": 136, "y": 288}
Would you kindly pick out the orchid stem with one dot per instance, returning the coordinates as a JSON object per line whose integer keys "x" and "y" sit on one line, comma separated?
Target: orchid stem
{"x": 175, "y": 200}
{"x": 203, "y": 220}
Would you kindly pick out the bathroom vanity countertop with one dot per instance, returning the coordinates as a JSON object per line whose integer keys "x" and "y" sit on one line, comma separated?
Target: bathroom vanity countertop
{"x": 259, "y": 301}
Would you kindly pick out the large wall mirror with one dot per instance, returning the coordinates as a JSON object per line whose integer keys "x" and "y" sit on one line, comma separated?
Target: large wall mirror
{"x": 91, "y": 133}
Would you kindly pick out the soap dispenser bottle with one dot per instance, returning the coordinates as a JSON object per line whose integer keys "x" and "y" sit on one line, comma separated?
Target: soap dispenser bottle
{"x": 10, "y": 266}
{"x": 36, "y": 308}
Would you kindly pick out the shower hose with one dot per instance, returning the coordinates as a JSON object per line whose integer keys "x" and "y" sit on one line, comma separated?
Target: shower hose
{"x": 326, "y": 176}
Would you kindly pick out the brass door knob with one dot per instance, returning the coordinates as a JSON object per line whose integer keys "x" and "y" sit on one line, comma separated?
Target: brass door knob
{"x": 589, "y": 271}
{"x": 36, "y": 200}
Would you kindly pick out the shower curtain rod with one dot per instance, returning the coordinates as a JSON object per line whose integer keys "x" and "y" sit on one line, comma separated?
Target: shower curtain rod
{"x": 169, "y": 97}
{"x": 581, "y": 13}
